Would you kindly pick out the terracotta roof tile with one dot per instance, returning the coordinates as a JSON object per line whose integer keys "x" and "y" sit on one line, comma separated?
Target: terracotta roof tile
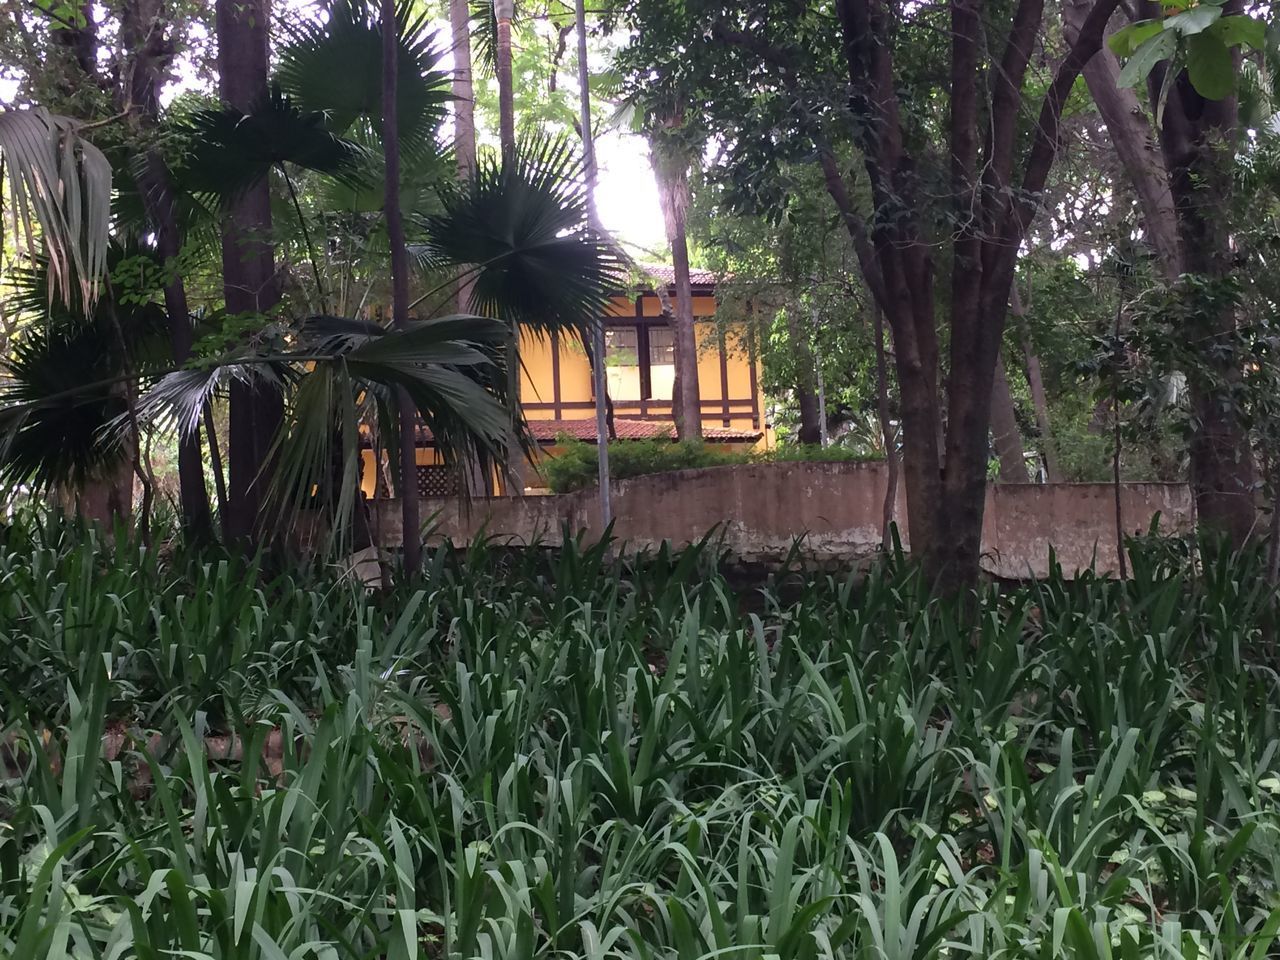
{"x": 667, "y": 275}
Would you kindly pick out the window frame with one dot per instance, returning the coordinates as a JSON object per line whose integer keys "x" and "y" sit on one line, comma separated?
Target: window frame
{"x": 644, "y": 354}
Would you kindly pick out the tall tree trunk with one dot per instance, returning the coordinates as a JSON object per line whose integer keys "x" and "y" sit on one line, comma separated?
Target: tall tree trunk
{"x": 477, "y": 478}
{"x": 1005, "y": 436}
{"x": 464, "y": 113}
{"x": 672, "y": 175}
{"x": 412, "y": 532}
{"x": 149, "y": 51}
{"x": 596, "y": 353}
{"x": 1035, "y": 382}
{"x": 248, "y": 274}
{"x": 1184, "y": 190}
{"x": 1198, "y": 139}
{"x": 504, "y": 11}
{"x": 805, "y": 386}
{"x": 889, "y": 432}
{"x": 1134, "y": 142}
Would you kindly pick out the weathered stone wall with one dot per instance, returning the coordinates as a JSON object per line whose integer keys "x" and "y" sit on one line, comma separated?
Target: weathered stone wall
{"x": 760, "y": 510}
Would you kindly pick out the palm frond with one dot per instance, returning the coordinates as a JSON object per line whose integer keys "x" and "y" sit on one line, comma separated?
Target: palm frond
{"x": 58, "y": 180}
{"x": 521, "y": 229}
{"x": 62, "y": 397}
{"x": 229, "y": 151}
{"x": 335, "y": 68}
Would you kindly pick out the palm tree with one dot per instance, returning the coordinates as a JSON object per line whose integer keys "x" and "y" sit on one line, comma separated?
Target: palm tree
{"x": 61, "y": 182}
{"x": 250, "y": 286}
{"x": 464, "y": 108}
{"x": 504, "y": 12}
{"x": 399, "y": 283}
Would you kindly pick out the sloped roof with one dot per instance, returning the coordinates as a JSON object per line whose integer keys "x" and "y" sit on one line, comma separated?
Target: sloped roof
{"x": 667, "y": 275}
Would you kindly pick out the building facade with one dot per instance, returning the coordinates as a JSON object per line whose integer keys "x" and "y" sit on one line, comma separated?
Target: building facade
{"x": 557, "y": 395}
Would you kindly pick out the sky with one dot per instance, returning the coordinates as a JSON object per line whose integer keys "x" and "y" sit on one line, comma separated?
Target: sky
{"x": 626, "y": 197}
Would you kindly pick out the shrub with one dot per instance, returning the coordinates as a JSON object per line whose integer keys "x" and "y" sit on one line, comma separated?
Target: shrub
{"x": 574, "y": 755}
{"x": 576, "y": 468}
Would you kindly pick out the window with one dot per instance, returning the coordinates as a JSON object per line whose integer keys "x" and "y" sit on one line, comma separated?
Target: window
{"x": 622, "y": 363}
{"x": 662, "y": 363}
{"x": 640, "y": 362}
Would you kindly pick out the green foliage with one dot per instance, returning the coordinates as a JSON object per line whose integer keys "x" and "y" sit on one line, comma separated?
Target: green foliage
{"x": 575, "y": 468}
{"x": 558, "y": 754}
{"x": 1197, "y": 36}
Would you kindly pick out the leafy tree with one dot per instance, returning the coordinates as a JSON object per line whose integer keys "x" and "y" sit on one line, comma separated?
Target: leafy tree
{"x": 860, "y": 82}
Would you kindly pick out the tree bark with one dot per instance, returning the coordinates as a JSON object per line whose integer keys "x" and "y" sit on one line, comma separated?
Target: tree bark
{"x": 249, "y": 278}
{"x": 504, "y": 10}
{"x": 890, "y": 434}
{"x": 1197, "y": 140}
{"x": 1184, "y": 190}
{"x": 1134, "y": 142}
{"x": 464, "y": 113}
{"x": 1035, "y": 382}
{"x": 595, "y": 353}
{"x": 410, "y": 519}
{"x": 672, "y": 176}
{"x": 1005, "y": 436}
{"x": 805, "y": 386}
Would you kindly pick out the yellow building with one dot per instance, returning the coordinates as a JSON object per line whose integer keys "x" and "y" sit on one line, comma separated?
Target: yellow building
{"x": 558, "y": 400}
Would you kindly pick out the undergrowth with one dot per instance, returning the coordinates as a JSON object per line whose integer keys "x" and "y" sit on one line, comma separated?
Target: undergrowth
{"x": 568, "y": 755}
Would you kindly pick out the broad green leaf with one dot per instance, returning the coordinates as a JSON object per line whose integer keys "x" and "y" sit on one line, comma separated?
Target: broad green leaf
{"x": 1241, "y": 31}
{"x": 1195, "y": 20}
{"x": 1210, "y": 66}
{"x": 1152, "y": 51}
{"x": 1127, "y": 40}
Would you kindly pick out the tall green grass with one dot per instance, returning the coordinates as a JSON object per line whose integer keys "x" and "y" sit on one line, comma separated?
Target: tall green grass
{"x": 567, "y": 755}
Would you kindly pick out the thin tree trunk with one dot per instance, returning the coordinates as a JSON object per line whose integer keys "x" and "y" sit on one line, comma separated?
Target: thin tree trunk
{"x": 888, "y": 431}
{"x": 804, "y": 386}
{"x": 215, "y": 461}
{"x": 1035, "y": 382}
{"x": 1134, "y": 142}
{"x": 476, "y": 477}
{"x": 599, "y": 378}
{"x": 412, "y": 533}
{"x": 197, "y": 519}
{"x": 249, "y": 277}
{"x": 149, "y": 51}
{"x": 464, "y": 114}
{"x": 1005, "y": 436}
{"x": 504, "y": 11}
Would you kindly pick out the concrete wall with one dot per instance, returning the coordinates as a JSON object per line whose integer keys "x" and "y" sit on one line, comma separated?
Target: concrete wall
{"x": 761, "y": 508}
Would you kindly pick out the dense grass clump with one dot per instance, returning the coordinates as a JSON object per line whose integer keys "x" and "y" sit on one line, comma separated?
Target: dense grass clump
{"x": 563, "y": 755}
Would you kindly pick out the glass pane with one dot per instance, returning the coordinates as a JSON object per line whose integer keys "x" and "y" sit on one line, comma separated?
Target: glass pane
{"x": 620, "y": 347}
{"x": 662, "y": 345}
{"x": 622, "y": 363}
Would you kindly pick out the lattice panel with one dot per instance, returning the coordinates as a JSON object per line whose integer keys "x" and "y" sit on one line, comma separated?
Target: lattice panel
{"x": 436, "y": 481}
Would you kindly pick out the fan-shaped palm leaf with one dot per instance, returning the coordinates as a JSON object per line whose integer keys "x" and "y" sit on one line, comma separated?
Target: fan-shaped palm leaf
{"x": 340, "y": 369}
{"x": 521, "y": 228}
{"x": 62, "y": 397}
{"x": 62, "y": 182}
{"x": 335, "y": 68}
{"x": 229, "y": 151}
